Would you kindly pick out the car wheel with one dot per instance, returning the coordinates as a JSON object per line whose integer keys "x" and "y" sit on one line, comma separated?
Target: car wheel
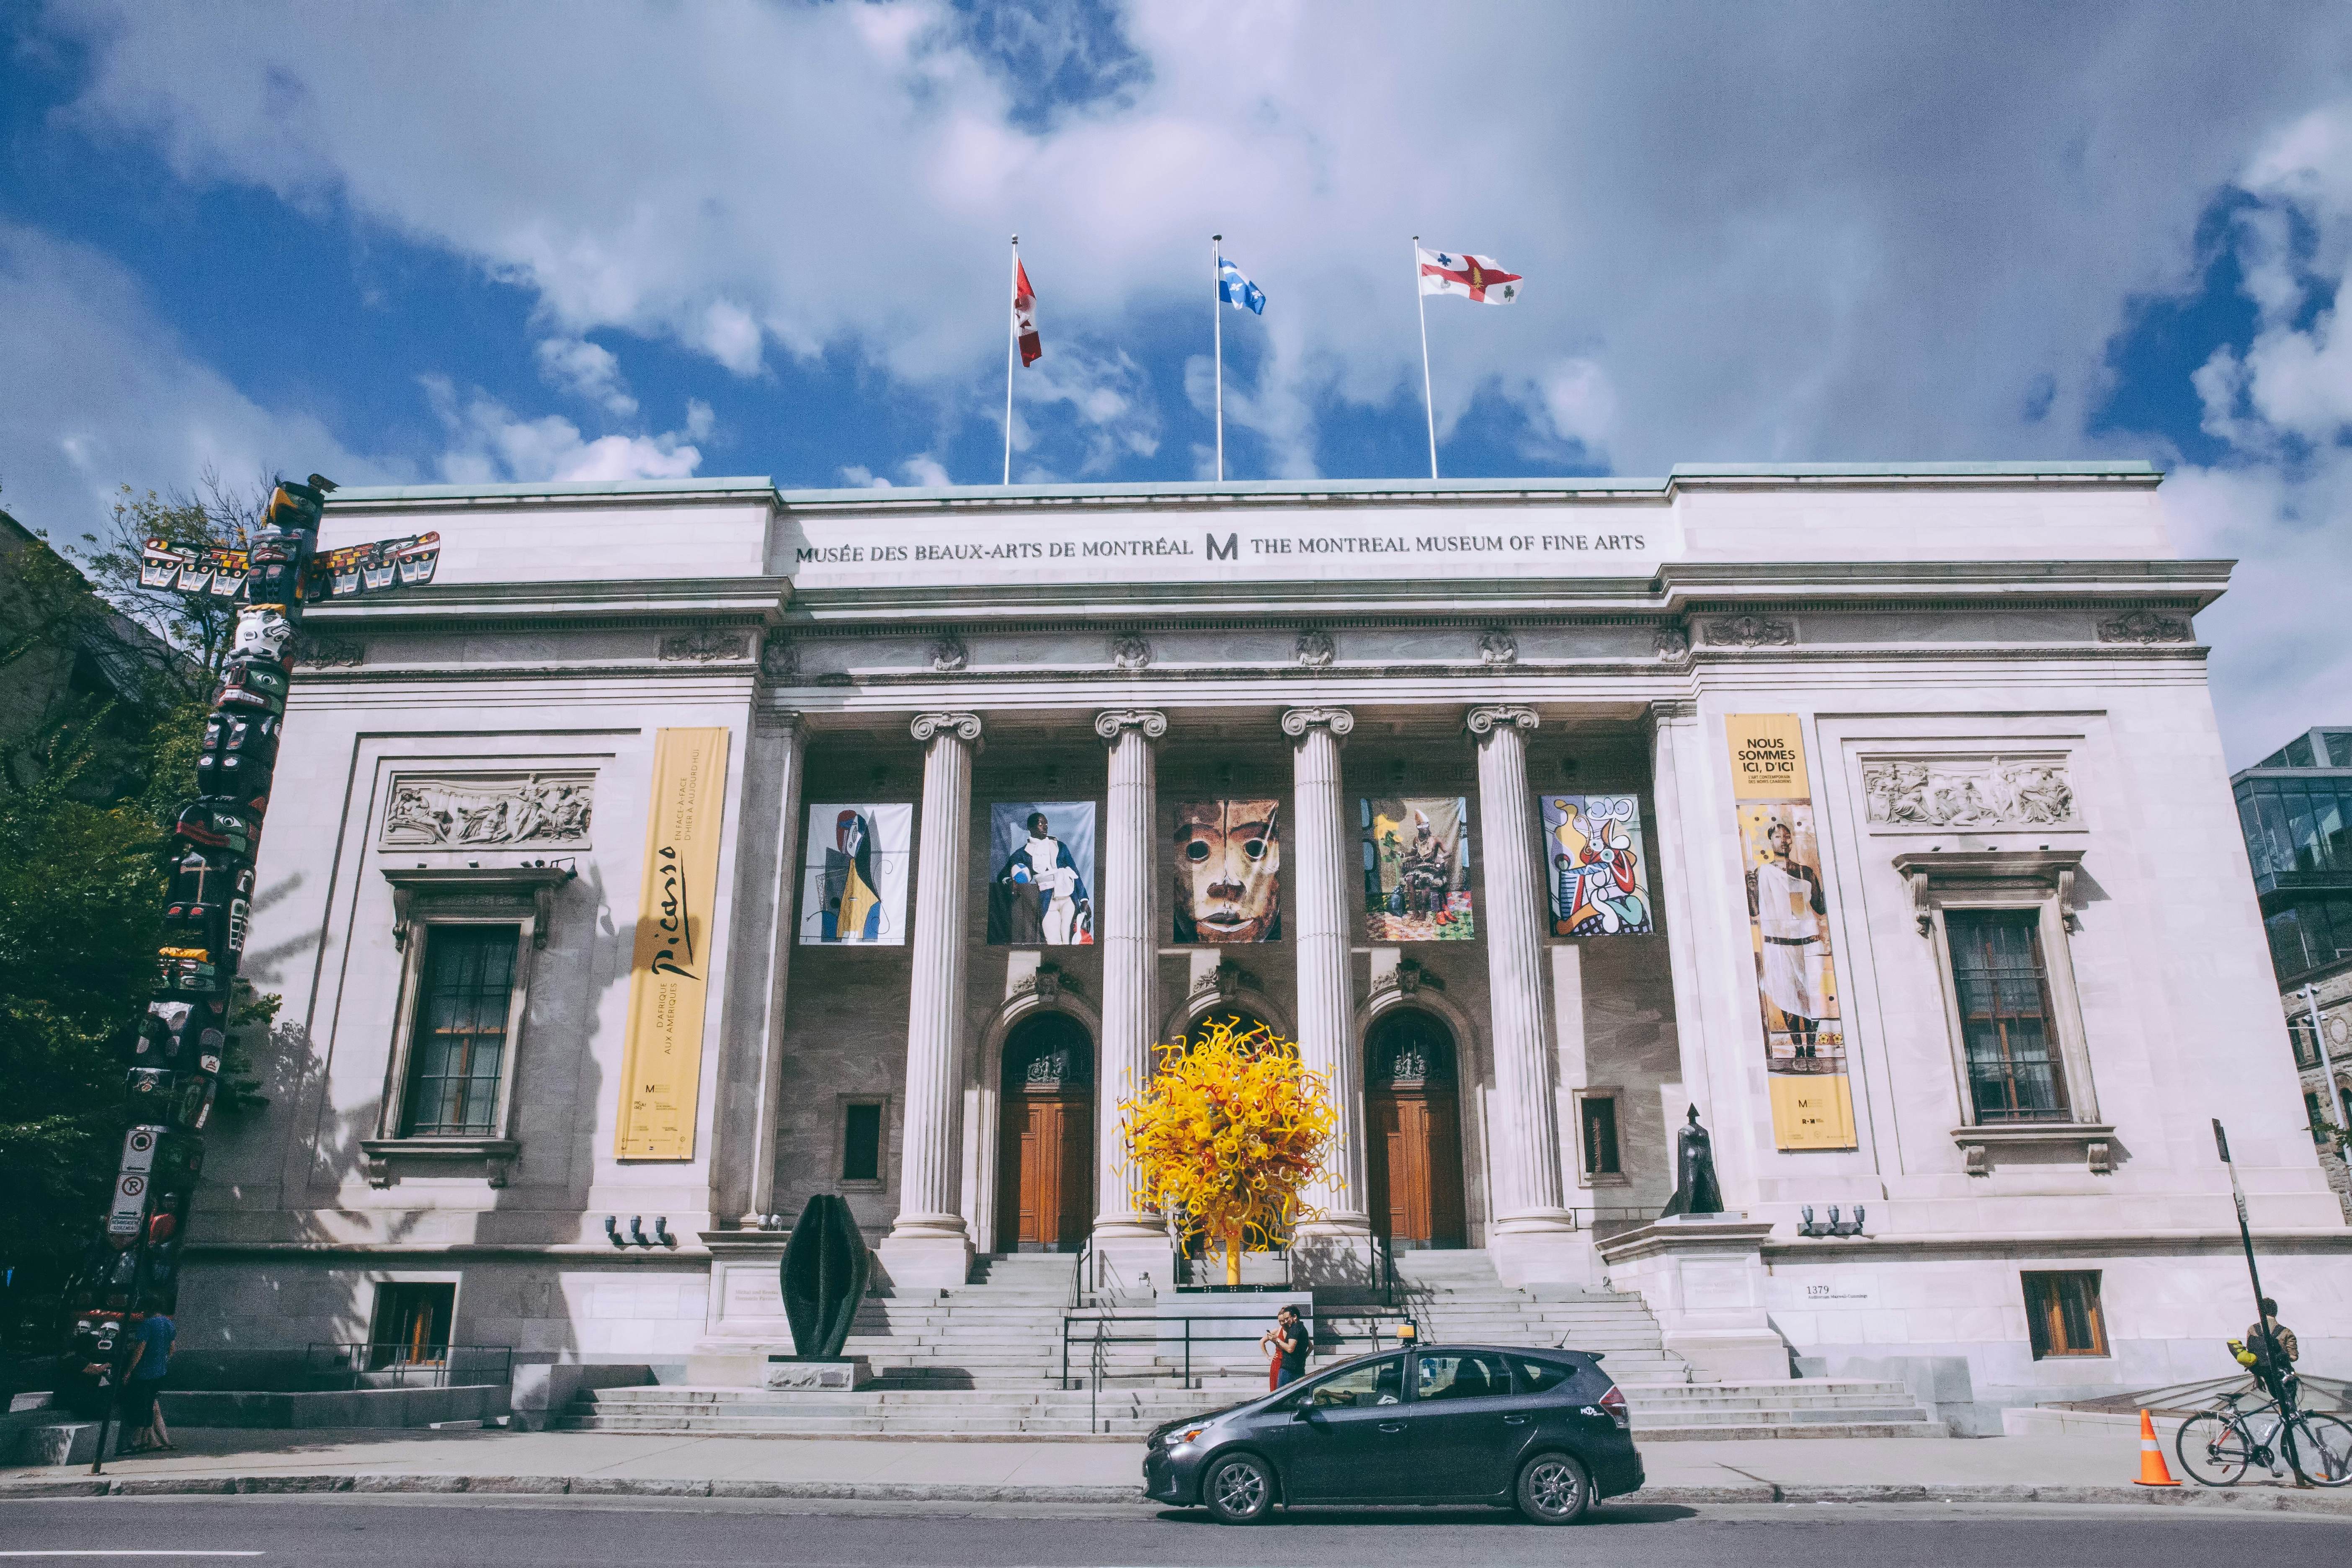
{"x": 1554, "y": 1489}
{"x": 1239, "y": 1490}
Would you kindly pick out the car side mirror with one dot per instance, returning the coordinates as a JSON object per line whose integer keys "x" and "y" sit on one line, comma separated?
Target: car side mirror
{"x": 1306, "y": 1410}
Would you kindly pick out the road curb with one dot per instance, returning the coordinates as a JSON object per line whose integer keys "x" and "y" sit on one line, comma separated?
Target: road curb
{"x": 2258, "y": 1498}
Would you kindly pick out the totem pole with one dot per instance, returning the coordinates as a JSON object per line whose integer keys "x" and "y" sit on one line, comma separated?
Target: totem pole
{"x": 134, "y": 1267}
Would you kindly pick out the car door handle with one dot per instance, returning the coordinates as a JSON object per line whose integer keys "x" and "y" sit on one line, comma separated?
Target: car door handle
{"x": 1391, "y": 1426}
{"x": 1515, "y": 1420}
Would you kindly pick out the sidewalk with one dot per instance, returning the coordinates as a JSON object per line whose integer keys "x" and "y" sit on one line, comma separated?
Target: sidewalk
{"x": 2085, "y": 1468}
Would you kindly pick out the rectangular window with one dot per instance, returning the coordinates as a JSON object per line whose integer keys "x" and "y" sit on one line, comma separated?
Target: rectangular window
{"x": 2004, "y": 991}
{"x": 460, "y": 1047}
{"x": 2062, "y": 1313}
{"x": 411, "y": 1325}
{"x": 2315, "y": 1114}
{"x": 2298, "y": 753}
{"x": 2339, "y": 747}
{"x": 1600, "y": 1135}
{"x": 861, "y": 1143}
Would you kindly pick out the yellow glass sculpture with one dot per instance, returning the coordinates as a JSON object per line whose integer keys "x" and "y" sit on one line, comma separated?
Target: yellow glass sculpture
{"x": 1226, "y": 1134}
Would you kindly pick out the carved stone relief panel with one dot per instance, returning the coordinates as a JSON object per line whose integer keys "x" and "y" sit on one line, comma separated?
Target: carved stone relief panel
{"x": 489, "y": 811}
{"x": 1928, "y": 792}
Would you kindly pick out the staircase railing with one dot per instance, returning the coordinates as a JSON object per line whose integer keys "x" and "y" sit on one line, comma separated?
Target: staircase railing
{"x": 1101, "y": 1368}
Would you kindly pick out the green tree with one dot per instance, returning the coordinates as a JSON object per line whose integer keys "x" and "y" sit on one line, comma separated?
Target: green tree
{"x": 95, "y": 772}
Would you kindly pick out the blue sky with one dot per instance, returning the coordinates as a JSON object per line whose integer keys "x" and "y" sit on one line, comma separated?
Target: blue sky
{"x": 451, "y": 241}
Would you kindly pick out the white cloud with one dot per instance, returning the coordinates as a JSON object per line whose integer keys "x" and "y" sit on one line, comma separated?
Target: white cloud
{"x": 99, "y": 392}
{"x": 2282, "y": 505}
{"x": 490, "y": 444}
{"x": 921, "y": 471}
{"x": 1777, "y": 255}
{"x": 587, "y": 370}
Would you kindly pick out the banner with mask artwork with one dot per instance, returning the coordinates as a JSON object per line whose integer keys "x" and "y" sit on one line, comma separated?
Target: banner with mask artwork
{"x": 1417, "y": 869}
{"x": 1789, "y": 926}
{"x": 1040, "y": 873}
{"x": 853, "y": 875}
{"x": 1226, "y": 871}
{"x": 1598, "y": 881}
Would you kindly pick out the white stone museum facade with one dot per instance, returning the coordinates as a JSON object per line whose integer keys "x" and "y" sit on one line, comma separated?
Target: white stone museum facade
{"x": 675, "y": 857}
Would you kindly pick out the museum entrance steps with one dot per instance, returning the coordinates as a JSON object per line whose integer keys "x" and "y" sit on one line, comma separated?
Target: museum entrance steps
{"x": 1810, "y": 1408}
{"x": 988, "y": 1359}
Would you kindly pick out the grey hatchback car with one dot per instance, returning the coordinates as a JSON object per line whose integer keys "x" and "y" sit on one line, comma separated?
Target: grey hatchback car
{"x": 1544, "y": 1429}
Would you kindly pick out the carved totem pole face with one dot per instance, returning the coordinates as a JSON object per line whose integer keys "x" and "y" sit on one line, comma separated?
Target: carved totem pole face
{"x": 262, "y": 632}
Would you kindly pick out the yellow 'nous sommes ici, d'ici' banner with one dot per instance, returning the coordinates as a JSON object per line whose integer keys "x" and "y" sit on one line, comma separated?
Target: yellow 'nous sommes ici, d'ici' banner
{"x": 1788, "y": 922}
{"x": 670, "y": 975}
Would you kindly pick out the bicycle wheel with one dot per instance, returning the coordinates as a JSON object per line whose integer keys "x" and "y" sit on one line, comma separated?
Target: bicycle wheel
{"x": 2214, "y": 1449}
{"x": 2321, "y": 1446}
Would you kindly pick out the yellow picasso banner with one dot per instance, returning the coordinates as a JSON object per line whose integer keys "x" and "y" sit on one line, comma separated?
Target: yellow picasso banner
{"x": 669, "y": 975}
{"x": 1797, "y": 990}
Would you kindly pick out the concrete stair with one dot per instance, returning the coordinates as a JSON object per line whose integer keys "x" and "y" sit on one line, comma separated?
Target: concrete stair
{"x": 986, "y": 1359}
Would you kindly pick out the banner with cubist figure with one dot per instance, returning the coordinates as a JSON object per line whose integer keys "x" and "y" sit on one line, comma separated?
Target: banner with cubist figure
{"x": 853, "y": 875}
{"x": 1417, "y": 868}
{"x": 1225, "y": 871}
{"x": 1040, "y": 873}
{"x": 1788, "y": 927}
{"x": 1597, "y": 877}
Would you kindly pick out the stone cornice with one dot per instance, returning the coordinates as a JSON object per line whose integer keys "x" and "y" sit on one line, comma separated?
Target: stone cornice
{"x": 626, "y": 601}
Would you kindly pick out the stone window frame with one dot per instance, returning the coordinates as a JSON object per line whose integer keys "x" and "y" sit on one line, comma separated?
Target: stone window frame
{"x": 2041, "y": 880}
{"x": 522, "y": 897}
{"x": 881, "y": 1182}
{"x": 1585, "y": 1175}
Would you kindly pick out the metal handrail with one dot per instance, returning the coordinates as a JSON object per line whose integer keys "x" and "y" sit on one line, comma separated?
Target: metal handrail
{"x": 1101, "y": 1369}
{"x": 1319, "y": 1334}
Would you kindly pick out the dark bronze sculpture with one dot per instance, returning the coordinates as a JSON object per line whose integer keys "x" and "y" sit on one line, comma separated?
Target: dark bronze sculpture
{"x": 1695, "y": 1191}
{"x": 824, "y": 1271}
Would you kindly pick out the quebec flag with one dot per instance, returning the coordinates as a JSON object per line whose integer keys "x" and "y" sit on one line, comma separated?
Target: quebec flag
{"x": 1237, "y": 290}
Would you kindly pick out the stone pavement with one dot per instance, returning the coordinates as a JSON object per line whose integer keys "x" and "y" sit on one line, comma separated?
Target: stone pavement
{"x": 2076, "y": 1467}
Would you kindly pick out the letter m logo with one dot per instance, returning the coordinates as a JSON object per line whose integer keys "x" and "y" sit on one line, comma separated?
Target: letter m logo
{"x": 1229, "y": 551}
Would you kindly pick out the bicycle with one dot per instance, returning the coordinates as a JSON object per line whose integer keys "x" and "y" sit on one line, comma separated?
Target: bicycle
{"x": 2216, "y": 1447}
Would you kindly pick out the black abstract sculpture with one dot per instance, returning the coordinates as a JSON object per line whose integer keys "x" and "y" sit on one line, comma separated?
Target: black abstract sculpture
{"x": 1696, "y": 1189}
{"x": 824, "y": 1271}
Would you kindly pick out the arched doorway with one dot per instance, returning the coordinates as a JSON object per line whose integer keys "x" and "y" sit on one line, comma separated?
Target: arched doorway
{"x": 1046, "y": 1137}
{"x": 1413, "y": 1132}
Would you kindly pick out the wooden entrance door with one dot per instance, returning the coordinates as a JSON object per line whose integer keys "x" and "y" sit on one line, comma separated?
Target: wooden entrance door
{"x": 1415, "y": 1159}
{"x": 1046, "y": 1186}
{"x": 1414, "y": 1131}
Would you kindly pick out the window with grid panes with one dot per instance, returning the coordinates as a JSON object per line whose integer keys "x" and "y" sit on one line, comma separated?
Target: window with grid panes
{"x": 2003, "y": 992}
{"x": 2062, "y": 1313}
{"x": 460, "y": 1050}
{"x": 1600, "y": 1135}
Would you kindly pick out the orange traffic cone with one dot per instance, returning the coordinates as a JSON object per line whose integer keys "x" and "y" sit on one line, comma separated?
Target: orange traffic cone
{"x": 2152, "y": 1472}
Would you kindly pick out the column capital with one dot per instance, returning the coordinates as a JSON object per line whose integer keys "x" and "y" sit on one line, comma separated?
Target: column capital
{"x": 1115, "y": 721}
{"x": 1481, "y": 720}
{"x": 1297, "y": 722}
{"x": 963, "y": 726}
{"x": 1669, "y": 710}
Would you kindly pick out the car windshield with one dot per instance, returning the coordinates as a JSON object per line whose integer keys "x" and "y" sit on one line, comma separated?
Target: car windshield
{"x": 1372, "y": 1383}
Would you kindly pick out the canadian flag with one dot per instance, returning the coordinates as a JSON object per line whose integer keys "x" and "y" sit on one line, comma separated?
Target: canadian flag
{"x": 1024, "y": 315}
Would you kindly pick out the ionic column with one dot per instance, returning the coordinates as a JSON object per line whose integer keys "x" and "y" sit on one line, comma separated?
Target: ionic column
{"x": 1533, "y": 1236}
{"x": 1130, "y": 1242}
{"x": 1317, "y": 913}
{"x": 928, "y": 1244}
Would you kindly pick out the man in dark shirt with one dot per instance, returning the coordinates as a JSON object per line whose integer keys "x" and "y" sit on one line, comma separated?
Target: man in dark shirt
{"x": 1288, "y": 1341}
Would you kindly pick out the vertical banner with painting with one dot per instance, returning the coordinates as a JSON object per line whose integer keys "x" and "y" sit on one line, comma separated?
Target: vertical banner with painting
{"x": 854, "y": 880}
{"x": 669, "y": 967}
{"x": 1227, "y": 873}
{"x": 1417, "y": 869}
{"x": 1788, "y": 925}
{"x": 1597, "y": 885}
{"x": 1041, "y": 864}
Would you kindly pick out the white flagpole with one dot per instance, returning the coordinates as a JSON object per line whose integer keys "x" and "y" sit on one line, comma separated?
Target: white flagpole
{"x": 1428, "y": 404}
{"x": 1012, "y": 350}
{"x": 1217, "y": 330}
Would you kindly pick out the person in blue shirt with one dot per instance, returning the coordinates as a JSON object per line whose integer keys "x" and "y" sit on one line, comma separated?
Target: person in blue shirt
{"x": 143, "y": 1379}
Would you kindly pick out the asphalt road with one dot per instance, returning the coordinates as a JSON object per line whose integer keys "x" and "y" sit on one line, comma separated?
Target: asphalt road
{"x": 585, "y": 1534}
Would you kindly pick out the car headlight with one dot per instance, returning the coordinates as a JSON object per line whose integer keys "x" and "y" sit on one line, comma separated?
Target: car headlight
{"x": 1177, "y": 1438}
